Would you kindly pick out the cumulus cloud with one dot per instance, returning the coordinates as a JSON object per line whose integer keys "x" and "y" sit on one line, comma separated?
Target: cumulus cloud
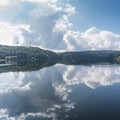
{"x": 46, "y": 23}
{"x": 3, "y": 2}
{"x": 92, "y": 39}
{"x": 34, "y": 97}
{"x": 11, "y": 82}
{"x": 38, "y": 95}
{"x": 9, "y": 33}
{"x": 48, "y": 26}
{"x": 108, "y": 75}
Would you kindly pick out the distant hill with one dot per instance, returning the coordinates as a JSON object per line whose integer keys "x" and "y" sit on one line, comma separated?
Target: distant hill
{"x": 23, "y": 55}
{"x": 90, "y": 57}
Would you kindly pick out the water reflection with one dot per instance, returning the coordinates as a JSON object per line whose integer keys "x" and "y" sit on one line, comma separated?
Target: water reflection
{"x": 60, "y": 92}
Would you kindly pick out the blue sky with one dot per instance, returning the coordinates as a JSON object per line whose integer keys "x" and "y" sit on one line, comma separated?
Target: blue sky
{"x": 60, "y": 25}
{"x": 103, "y": 14}
{"x": 66, "y": 25}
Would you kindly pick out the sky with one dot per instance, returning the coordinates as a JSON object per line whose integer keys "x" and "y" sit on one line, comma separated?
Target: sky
{"x": 67, "y": 25}
{"x": 103, "y": 14}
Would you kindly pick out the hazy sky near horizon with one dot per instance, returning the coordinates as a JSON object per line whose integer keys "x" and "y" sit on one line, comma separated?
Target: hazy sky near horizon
{"x": 61, "y": 24}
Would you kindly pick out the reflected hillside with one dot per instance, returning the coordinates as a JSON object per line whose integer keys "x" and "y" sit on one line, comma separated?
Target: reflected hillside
{"x": 21, "y": 58}
{"x": 24, "y": 67}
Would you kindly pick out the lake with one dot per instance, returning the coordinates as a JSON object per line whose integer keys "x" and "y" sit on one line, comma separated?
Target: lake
{"x": 61, "y": 92}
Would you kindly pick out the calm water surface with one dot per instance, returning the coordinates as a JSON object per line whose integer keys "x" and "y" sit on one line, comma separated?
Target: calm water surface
{"x": 61, "y": 93}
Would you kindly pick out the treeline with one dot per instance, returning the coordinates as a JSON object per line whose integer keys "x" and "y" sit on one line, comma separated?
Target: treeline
{"x": 24, "y": 54}
{"x": 90, "y": 57}
{"x": 33, "y": 55}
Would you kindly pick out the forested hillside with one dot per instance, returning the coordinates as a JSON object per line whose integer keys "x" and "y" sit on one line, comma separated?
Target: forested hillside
{"x": 90, "y": 57}
{"x": 26, "y": 55}
{"x": 22, "y": 54}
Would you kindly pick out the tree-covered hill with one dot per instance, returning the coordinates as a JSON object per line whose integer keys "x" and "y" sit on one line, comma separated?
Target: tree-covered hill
{"x": 90, "y": 57}
{"x": 22, "y": 55}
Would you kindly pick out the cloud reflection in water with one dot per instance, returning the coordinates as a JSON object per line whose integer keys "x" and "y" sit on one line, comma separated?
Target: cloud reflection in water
{"x": 46, "y": 93}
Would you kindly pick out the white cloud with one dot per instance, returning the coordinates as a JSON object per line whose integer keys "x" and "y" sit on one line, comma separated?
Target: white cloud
{"x": 92, "y": 39}
{"x": 10, "y": 34}
{"x": 43, "y": 18}
{"x": 92, "y": 76}
{"x": 59, "y": 83}
{"x": 11, "y": 81}
{"x": 48, "y": 26}
{"x": 46, "y": 23}
{"x": 3, "y": 113}
{"x": 36, "y": 97}
{"x": 3, "y": 2}
{"x": 70, "y": 9}
{"x": 42, "y": 1}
